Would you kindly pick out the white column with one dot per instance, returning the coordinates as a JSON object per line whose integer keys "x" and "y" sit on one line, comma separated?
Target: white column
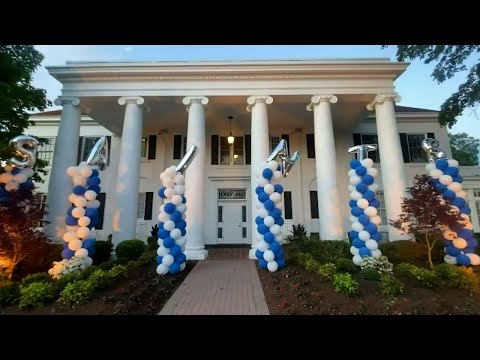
{"x": 128, "y": 178}
{"x": 391, "y": 159}
{"x": 65, "y": 155}
{"x": 195, "y": 180}
{"x": 260, "y": 150}
{"x": 326, "y": 169}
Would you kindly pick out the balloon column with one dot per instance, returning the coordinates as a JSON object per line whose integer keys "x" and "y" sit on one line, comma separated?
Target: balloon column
{"x": 18, "y": 172}
{"x": 269, "y": 216}
{"x": 82, "y": 217}
{"x": 172, "y": 226}
{"x": 460, "y": 242}
{"x": 363, "y": 204}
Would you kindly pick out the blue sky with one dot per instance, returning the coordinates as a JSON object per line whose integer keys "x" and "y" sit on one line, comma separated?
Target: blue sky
{"x": 415, "y": 86}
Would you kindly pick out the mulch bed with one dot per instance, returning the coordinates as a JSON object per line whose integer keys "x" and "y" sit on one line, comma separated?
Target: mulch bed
{"x": 144, "y": 292}
{"x": 295, "y": 291}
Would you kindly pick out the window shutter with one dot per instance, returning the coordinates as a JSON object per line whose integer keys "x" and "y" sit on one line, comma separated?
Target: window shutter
{"x": 177, "y": 146}
{"x": 311, "y": 146}
{"x": 148, "y": 206}
{"x": 79, "y": 154}
{"x": 286, "y": 137}
{"x": 404, "y": 144}
{"x": 214, "y": 150}
{"x": 109, "y": 142}
{"x": 248, "y": 149}
{"x": 287, "y": 200}
{"x": 314, "y": 204}
{"x": 152, "y": 146}
{"x": 101, "y": 210}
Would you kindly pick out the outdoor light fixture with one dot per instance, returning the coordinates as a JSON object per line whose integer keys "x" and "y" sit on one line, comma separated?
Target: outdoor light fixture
{"x": 230, "y": 138}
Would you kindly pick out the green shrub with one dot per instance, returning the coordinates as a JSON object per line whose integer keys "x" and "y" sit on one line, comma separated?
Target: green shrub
{"x": 152, "y": 243}
{"x": 345, "y": 265}
{"x": 103, "y": 251}
{"x": 38, "y": 277}
{"x": 61, "y": 283}
{"x": 390, "y": 286}
{"x": 344, "y": 283}
{"x": 99, "y": 279}
{"x": 466, "y": 279}
{"x": 121, "y": 261}
{"x": 85, "y": 274}
{"x": 327, "y": 271}
{"x": 9, "y": 293}
{"x": 381, "y": 264}
{"x": 36, "y": 294}
{"x": 130, "y": 249}
{"x": 147, "y": 257}
{"x": 133, "y": 265}
{"x": 118, "y": 272}
{"x": 422, "y": 277}
{"x": 371, "y": 274}
{"x": 76, "y": 293}
{"x": 111, "y": 263}
{"x": 327, "y": 251}
{"x": 406, "y": 251}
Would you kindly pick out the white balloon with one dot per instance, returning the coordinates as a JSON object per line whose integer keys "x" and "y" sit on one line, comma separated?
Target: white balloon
{"x": 354, "y": 251}
{"x": 430, "y": 166}
{"x": 12, "y": 185}
{"x": 27, "y": 171}
{"x": 262, "y": 212}
{"x": 90, "y": 195}
{"x": 179, "y": 189}
{"x": 353, "y": 218}
{"x": 73, "y": 228}
{"x": 84, "y": 221}
{"x": 357, "y": 260}
{"x": 69, "y": 236}
{"x": 176, "y": 199}
{"x": 276, "y": 197}
{"x": 94, "y": 204}
{"x": 181, "y": 241}
{"x": 368, "y": 163}
{"x": 436, "y": 173}
{"x": 460, "y": 243}
{"x": 455, "y": 186}
{"x": 163, "y": 216}
{"x": 450, "y": 235}
{"x": 351, "y": 172}
{"x": 370, "y": 211}
{"x": 268, "y": 255}
{"x": 20, "y": 178}
{"x": 168, "y": 182}
{"x": 81, "y": 253}
{"x": 452, "y": 163}
{"x": 179, "y": 179}
{"x": 351, "y": 188}
{"x": 262, "y": 181}
{"x": 463, "y": 194}
{"x": 169, "y": 193}
{"x": 71, "y": 198}
{"x": 74, "y": 245}
{"x": 169, "y": 225}
{"x": 362, "y": 203}
{"x": 162, "y": 250}
{"x": 181, "y": 208}
{"x": 279, "y": 205}
{"x": 272, "y": 165}
{"x": 80, "y": 201}
{"x": 182, "y": 266}
{"x": 83, "y": 232}
{"x": 272, "y": 266}
{"x": 72, "y": 171}
{"x": 6, "y": 177}
{"x": 88, "y": 261}
{"x": 269, "y": 221}
{"x": 451, "y": 260}
{"x": 168, "y": 260}
{"x": 364, "y": 235}
{"x": 86, "y": 171}
{"x": 373, "y": 187}
{"x": 371, "y": 244}
{"x": 372, "y": 171}
{"x": 277, "y": 175}
{"x": 469, "y": 226}
{"x": 474, "y": 259}
{"x": 356, "y": 226}
{"x": 78, "y": 212}
{"x": 162, "y": 269}
{"x": 355, "y": 180}
{"x": 376, "y": 253}
{"x": 445, "y": 179}
{"x": 262, "y": 245}
{"x": 171, "y": 171}
{"x": 377, "y": 220}
{"x": 355, "y": 195}
{"x": 269, "y": 189}
{"x": 175, "y": 234}
{"x": 276, "y": 229}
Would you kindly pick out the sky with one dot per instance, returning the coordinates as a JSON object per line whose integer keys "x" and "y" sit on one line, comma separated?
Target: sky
{"x": 416, "y": 86}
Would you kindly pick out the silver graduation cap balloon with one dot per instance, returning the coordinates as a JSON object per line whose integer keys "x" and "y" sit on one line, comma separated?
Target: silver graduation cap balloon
{"x": 187, "y": 159}
{"x": 281, "y": 151}
{"x": 362, "y": 150}
{"x": 29, "y": 155}
{"x": 431, "y": 147}
{"x": 99, "y": 154}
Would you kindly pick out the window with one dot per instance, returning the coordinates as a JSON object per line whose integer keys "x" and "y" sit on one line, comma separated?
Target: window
{"x": 141, "y": 205}
{"x": 287, "y": 200}
{"x": 179, "y": 146}
{"x": 311, "y": 146}
{"x": 314, "y": 204}
{"x": 45, "y": 151}
{"x": 86, "y": 145}
{"x": 412, "y": 147}
{"x": 144, "y": 147}
{"x": 231, "y": 154}
{"x": 274, "y": 140}
{"x": 364, "y": 139}
{"x": 42, "y": 199}
{"x": 476, "y": 193}
{"x": 145, "y": 205}
{"x": 381, "y": 210}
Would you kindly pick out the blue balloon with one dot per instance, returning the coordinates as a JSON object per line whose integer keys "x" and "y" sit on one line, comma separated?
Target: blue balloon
{"x": 169, "y": 208}
{"x": 364, "y": 219}
{"x": 176, "y": 216}
{"x": 269, "y": 237}
{"x": 267, "y": 173}
{"x": 159, "y": 259}
{"x": 88, "y": 243}
{"x": 441, "y": 164}
{"x": 452, "y": 250}
{"x": 440, "y": 187}
{"x": 91, "y": 212}
{"x": 353, "y": 234}
{"x": 371, "y": 228}
{"x": 369, "y": 195}
{"x": 259, "y": 254}
{"x": 95, "y": 188}
{"x": 71, "y": 221}
{"x": 181, "y": 258}
{"x": 465, "y": 210}
{"x": 93, "y": 181}
{"x": 279, "y": 221}
{"x": 458, "y": 179}
{"x": 463, "y": 259}
{"x": 376, "y": 236}
{"x": 69, "y": 210}
{"x": 281, "y": 263}
{"x": 183, "y": 231}
{"x": 464, "y": 233}
{"x": 258, "y": 220}
{"x": 163, "y": 234}
{"x": 94, "y": 221}
{"x": 174, "y": 268}
{"x": 352, "y": 203}
{"x": 263, "y": 197}
{"x": 161, "y": 192}
{"x": 356, "y": 211}
{"x": 65, "y": 244}
{"x": 79, "y": 190}
{"x": 67, "y": 253}
{"x": 361, "y": 188}
{"x": 182, "y": 224}
{"x": 449, "y": 194}
{"x": 91, "y": 252}
{"x": 279, "y": 254}
{"x": 358, "y": 243}
{"x": 368, "y": 179}
{"x": 269, "y": 205}
{"x": 275, "y": 213}
{"x": 374, "y": 203}
{"x": 360, "y": 170}
{"x": 262, "y": 263}
{"x": 472, "y": 243}
{"x": 364, "y": 251}
{"x": 259, "y": 190}
{"x": 94, "y": 173}
{"x": 262, "y": 229}
{"x": 275, "y": 247}
{"x": 355, "y": 163}
{"x": 168, "y": 242}
{"x": 278, "y": 188}
{"x": 175, "y": 250}
{"x": 184, "y": 200}
{"x": 452, "y": 171}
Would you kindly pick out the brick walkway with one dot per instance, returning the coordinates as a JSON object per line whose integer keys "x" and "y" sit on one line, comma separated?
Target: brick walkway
{"x": 220, "y": 287}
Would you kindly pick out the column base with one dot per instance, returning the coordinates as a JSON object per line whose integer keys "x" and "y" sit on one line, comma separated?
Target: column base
{"x": 196, "y": 254}
{"x": 251, "y": 254}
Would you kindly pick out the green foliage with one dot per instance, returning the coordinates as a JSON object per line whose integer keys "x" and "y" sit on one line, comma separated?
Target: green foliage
{"x": 458, "y": 277}
{"x": 345, "y": 265}
{"x": 380, "y": 264}
{"x": 38, "y": 277}
{"x": 390, "y": 286}
{"x": 147, "y": 257}
{"x": 326, "y": 251}
{"x": 326, "y": 271}
{"x": 9, "y": 293}
{"x": 130, "y": 249}
{"x": 450, "y": 59}
{"x": 344, "y": 283}
{"x": 118, "y": 272}
{"x": 36, "y": 294}
{"x": 422, "y": 277}
{"x": 99, "y": 279}
{"x": 78, "y": 292}
{"x": 152, "y": 243}
{"x": 465, "y": 149}
{"x": 154, "y": 231}
{"x": 371, "y": 274}
{"x": 406, "y": 251}
{"x": 18, "y": 97}
{"x": 69, "y": 278}
{"x": 85, "y": 274}
{"x": 103, "y": 251}
{"x": 298, "y": 237}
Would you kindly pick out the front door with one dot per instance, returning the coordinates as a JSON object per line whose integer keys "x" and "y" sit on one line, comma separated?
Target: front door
{"x": 232, "y": 222}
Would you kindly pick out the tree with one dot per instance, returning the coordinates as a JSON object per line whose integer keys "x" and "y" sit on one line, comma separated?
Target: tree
{"x": 451, "y": 59}
{"x": 18, "y": 97}
{"x": 425, "y": 213}
{"x": 465, "y": 149}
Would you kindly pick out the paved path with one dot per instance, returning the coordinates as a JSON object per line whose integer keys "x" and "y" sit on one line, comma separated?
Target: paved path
{"x": 219, "y": 287}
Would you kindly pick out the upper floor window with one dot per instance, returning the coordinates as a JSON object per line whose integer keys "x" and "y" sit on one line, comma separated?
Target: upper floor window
{"x": 45, "y": 151}
{"x": 86, "y": 145}
{"x": 364, "y": 139}
{"x": 232, "y": 154}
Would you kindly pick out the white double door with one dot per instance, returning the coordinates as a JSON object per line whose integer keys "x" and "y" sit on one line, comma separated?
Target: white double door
{"x": 232, "y": 222}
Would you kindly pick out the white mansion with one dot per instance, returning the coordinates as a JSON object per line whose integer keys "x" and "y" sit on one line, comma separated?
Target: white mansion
{"x": 153, "y": 111}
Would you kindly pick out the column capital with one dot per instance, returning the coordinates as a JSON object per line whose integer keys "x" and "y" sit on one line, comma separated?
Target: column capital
{"x": 62, "y": 100}
{"x": 317, "y": 99}
{"x": 252, "y": 100}
{"x": 189, "y": 100}
{"x": 381, "y": 98}
{"x": 131, "y": 99}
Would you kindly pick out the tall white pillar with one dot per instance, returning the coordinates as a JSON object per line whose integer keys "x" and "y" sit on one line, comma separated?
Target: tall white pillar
{"x": 128, "y": 179}
{"x": 195, "y": 179}
{"x": 326, "y": 169}
{"x": 260, "y": 150}
{"x": 64, "y": 156}
{"x": 391, "y": 159}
